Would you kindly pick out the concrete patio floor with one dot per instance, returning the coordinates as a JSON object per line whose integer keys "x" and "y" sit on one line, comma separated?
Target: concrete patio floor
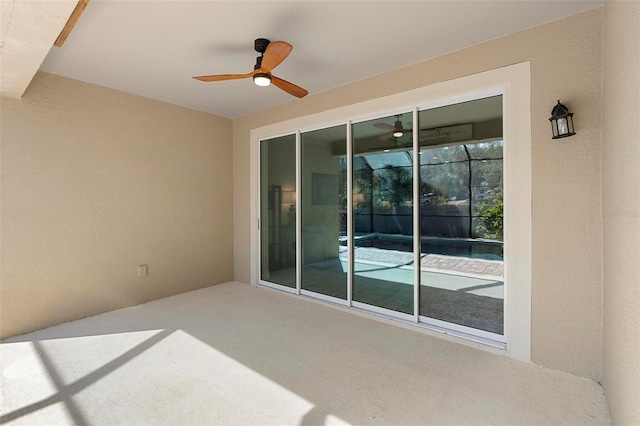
{"x": 237, "y": 355}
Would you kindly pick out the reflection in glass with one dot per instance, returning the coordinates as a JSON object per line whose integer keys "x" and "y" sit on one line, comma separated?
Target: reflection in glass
{"x": 388, "y": 159}
{"x": 324, "y": 212}
{"x": 383, "y": 215}
{"x": 278, "y": 210}
{"x": 460, "y": 196}
{"x": 461, "y": 210}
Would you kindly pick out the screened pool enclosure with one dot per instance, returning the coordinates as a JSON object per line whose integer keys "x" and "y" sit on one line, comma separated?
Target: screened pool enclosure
{"x": 400, "y": 215}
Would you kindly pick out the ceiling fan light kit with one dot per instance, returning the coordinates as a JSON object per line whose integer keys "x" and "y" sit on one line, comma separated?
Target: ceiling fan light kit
{"x": 262, "y": 79}
{"x": 271, "y": 55}
{"x": 399, "y": 130}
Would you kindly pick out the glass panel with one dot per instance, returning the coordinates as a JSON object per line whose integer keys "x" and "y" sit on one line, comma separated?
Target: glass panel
{"x": 383, "y": 215}
{"x": 388, "y": 159}
{"x": 486, "y": 186}
{"x": 278, "y": 210}
{"x": 446, "y": 154}
{"x": 324, "y": 212}
{"x": 461, "y": 181}
{"x": 486, "y": 150}
{"x": 443, "y": 190}
{"x": 362, "y": 199}
{"x": 358, "y": 164}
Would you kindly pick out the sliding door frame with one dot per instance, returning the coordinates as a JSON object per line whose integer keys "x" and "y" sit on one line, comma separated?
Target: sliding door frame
{"x": 466, "y": 332}
{"x": 260, "y": 222}
{"x": 513, "y": 82}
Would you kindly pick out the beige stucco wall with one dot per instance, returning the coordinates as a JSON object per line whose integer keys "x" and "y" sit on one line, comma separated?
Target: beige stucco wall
{"x": 96, "y": 182}
{"x": 566, "y": 64}
{"x": 621, "y": 210}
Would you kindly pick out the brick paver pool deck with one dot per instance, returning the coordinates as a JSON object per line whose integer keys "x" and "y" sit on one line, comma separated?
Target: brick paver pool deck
{"x": 465, "y": 265}
{"x": 462, "y": 264}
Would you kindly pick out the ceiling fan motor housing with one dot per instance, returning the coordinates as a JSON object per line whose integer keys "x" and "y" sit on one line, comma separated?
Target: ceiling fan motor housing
{"x": 260, "y": 45}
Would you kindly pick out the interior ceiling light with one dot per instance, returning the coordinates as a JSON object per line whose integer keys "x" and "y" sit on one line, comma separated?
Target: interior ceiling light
{"x": 262, "y": 79}
{"x": 398, "y": 129}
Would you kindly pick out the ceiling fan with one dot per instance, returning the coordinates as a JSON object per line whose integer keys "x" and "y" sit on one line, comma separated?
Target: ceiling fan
{"x": 396, "y": 131}
{"x": 271, "y": 55}
{"x": 395, "y": 135}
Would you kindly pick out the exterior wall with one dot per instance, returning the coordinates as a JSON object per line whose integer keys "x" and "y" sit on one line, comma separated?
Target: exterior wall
{"x": 566, "y": 64}
{"x": 621, "y": 210}
{"x": 96, "y": 182}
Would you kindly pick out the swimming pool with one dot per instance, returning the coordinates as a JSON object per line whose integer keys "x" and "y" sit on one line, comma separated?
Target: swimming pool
{"x": 459, "y": 247}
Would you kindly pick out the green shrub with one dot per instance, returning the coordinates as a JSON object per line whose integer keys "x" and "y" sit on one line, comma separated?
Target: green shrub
{"x": 491, "y": 225}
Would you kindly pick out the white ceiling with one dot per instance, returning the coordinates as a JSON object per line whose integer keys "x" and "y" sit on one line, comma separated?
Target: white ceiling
{"x": 27, "y": 32}
{"x": 153, "y": 48}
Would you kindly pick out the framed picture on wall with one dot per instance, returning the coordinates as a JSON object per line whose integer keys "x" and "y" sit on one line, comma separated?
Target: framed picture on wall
{"x": 324, "y": 189}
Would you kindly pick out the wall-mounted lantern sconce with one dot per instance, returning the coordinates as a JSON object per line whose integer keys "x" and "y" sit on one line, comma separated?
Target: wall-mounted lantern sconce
{"x": 561, "y": 122}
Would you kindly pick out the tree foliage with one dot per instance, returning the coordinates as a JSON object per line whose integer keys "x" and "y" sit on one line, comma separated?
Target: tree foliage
{"x": 491, "y": 225}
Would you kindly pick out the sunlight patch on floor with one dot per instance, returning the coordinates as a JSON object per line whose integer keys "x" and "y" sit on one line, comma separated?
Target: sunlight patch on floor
{"x": 24, "y": 378}
{"x": 170, "y": 377}
{"x": 76, "y": 357}
{"x": 332, "y": 420}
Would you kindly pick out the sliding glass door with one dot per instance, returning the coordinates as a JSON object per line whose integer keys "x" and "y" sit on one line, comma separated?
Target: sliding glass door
{"x": 461, "y": 215}
{"x": 324, "y": 212}
{"x": 277, "y": 210}
{"x": 421, "y": 240}
{"x": 383, "y": 268}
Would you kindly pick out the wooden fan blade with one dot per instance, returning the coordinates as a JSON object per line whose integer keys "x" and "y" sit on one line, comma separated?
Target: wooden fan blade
{"x": 387, "y": 137}
{"x": 223, "y": 77}
{"x": 290, "y": 88}
{"x": 277, "y": 51}
{"x": 384, "y": 126}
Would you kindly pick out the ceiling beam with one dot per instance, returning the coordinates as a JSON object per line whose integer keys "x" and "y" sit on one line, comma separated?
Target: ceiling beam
{"x": 73, "y": 19}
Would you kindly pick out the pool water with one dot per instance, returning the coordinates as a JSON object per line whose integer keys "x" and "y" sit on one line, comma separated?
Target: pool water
{"x": 463, "y": 248}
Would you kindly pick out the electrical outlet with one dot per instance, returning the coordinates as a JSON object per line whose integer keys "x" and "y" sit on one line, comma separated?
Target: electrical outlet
{"x": 142, "y": 271}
